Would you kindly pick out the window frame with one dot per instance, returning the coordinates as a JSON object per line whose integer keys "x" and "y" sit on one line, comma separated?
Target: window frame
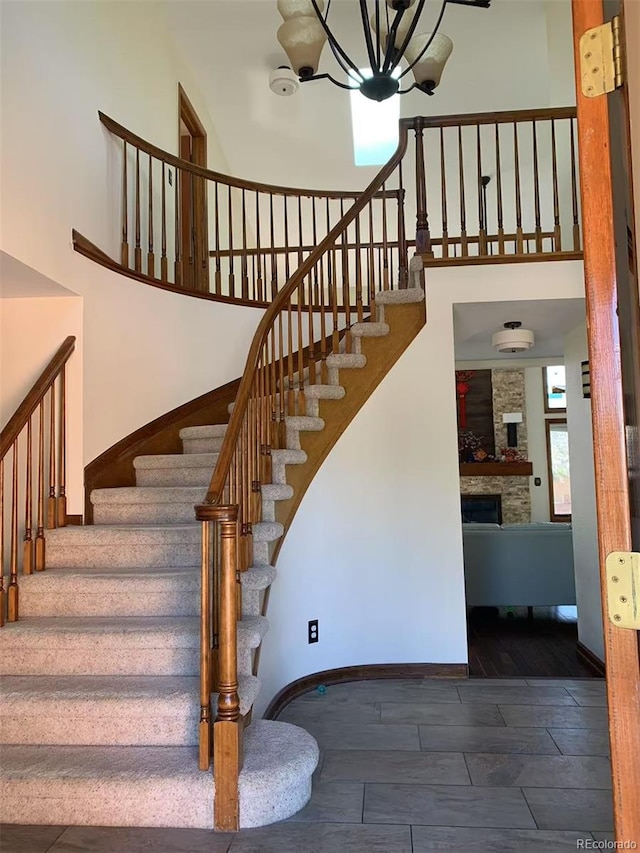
{"x": 553, "y": 515}
{"x": 560, "y": 410}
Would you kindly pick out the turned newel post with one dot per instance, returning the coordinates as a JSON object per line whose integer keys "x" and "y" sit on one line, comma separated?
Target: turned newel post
{"x": 228, "y": 727}
{"x": 423, "y": 237}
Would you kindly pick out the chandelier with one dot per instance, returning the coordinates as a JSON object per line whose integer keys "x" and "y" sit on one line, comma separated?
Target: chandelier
{"x": 393, "y": 30}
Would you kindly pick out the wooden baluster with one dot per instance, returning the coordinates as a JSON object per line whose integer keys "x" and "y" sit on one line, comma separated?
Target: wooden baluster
{"x": 243, "y": 268}
{"x": 151, "y": 257}
{"x": 464, "y": 243}
{"x": 312, "y": 278}
{"x": 40, "y": 541}
{"x": 501, "y": 247}
{"x": 274, "y": 263}
{"x": 218, "y": 272}
{"x": 287, "y": 269}
{"x": 323, "y": 327}
{"x": 61, "y": 503}
{"x": 164, "y": 271}
{"x": 232, "y": 278}
{"x": 346, "y": 284}
{"x": 205, "y": 732}
{"x": 27, "y": 547}
{"x": 371, "y": 267}
{"x": 423, "y": 237}
{"x": 482, "y": 231}
{"x": 574, "y": 192}
{"x": 124, "y": 249}
{"x": 3, "y": 602}
{"x": 177, "y": 266}
{"x": 281, "y": 395}
{"x": 52, "y": 513}
{"x": 291, "y": 398}
{"x": 385, "y": 241}
{"x": 137, "y": 254}
{"x": 516, "y": 159}
{"x": 300, "y": 238}
{"x": 443, "y": 197}
{"x": 403, "y": 259}
{"x": 536, "y": 190}
{"x": 300, "y": 401}
{"x": 557, "y": 233}
{"x": 260, "y": 280}
{"x": 359, "y": 301}
{"x": 13, "y": 604}
{"x": 228, "y": 728}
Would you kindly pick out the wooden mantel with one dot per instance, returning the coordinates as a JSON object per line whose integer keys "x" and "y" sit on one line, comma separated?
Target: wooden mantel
{"x": 496, "y": 469}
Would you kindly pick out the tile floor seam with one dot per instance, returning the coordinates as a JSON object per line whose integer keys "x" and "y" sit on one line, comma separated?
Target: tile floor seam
{"x": 56, "y": 840}
{"x": 466, "y": 764}
{"x": 533, "y": 817}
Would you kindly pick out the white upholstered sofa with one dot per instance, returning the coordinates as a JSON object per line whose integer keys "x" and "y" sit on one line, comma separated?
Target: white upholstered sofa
{"x": 518, "y": 564}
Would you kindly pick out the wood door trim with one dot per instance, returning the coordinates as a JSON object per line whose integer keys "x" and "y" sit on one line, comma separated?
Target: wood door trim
{"x": 188, "y": 114}
{"x": 553, "y": 515}
{"x": 612, "y": 493}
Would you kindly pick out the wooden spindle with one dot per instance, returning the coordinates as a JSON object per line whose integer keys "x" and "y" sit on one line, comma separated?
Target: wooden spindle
{"x": 274, "y": 265}
{"x": 164, "y": 271}
{"x": 574, "y": 192}
{"x": 260, "y": 280}
{"x": 536, "y": 190}
{"x": 371, "y": 268}
{"x": 151, "y": 263}
{"x": 359, "y": 300}
{"x": 27, "y": 545}
{"x": 385, "y": 242}
{"x": 3, "y": 602}
{"x": 443, "y": 197}
{"x": 61, "y": 503}
{"x": 291, "y": 397}
{"x": 177, "y": 265}
{"x": 403, "y": 256}
{"x": 40, "y": 540}
{"x": 205, "y": 733}
{"x": 12, "y": 592}
{"x": 243, "y": 266}
{"x": 124, "y": 249}
{"x": 137, "y": 254}
{"x": 423, "y": 237}
{"x": 501, "y": 246}
{"x": 482, "y": 231}
{"x": 287, "y": 268}
{"x": 464, "y": 244}
{"x": 557, "y": 232}
{"x": 218, "y": 271}
{"x": 52, "y": 513}
{"x": 232, "y": 278}
{"x": 516, "y": 165}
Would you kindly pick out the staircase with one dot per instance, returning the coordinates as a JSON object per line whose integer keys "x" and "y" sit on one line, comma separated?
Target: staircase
{"x": 100, "y": 689}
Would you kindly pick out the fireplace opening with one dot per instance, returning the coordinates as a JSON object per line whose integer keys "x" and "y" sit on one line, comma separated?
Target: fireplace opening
{"x": 481, "y": 509}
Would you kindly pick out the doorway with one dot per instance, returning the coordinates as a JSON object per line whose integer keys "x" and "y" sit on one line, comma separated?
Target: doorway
{"x": 194, "y": 243}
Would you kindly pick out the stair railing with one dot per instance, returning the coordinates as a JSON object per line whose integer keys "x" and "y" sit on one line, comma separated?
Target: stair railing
{"x": 35, "y": 437}
{"x": 275, "y": 385}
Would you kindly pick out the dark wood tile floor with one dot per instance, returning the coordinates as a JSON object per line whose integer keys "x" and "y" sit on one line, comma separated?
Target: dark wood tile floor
{"x": 506, "y": 642}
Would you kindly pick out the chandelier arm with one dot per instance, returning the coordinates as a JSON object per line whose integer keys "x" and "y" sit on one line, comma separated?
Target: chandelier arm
{"x": 410, "y": 32}
{"x": 332, "y": 41}
{"x": 331, "y": 79}
{"x": 391, "y": 40}
{"x": 406, "y": 91}
{"x": 367, "y": 36}
{"x": 378, "y": 56}
{"x": 428, "y": 44}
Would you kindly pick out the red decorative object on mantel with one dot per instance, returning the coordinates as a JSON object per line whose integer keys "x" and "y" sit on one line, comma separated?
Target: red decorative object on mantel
{"x": 462, "y": 389}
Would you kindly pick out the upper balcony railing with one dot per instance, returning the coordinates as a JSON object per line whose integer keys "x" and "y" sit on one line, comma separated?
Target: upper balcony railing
{"x": 485, "y": 188}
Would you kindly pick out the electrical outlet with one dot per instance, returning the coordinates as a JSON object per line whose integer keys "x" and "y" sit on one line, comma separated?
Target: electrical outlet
{"x": 313, "y": 630}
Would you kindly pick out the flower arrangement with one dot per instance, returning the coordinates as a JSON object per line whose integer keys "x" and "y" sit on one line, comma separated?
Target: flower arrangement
{"x": 470, "y": 450}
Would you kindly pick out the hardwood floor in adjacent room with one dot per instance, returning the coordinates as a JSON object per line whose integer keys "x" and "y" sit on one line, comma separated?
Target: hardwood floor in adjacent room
{"x": 505, "y": 642}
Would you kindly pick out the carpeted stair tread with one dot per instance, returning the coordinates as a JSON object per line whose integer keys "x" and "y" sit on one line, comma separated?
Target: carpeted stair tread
{"x": 400, "y": 297}
{"x": 176, "y": 460}
{"x": 346, "y": 360}
{"x": 258, "y": 577}
{"x": 148, "y": 494}
{"x": 267, "y": 531}
{"x": 324, "y": 392}
{"x": 276, "y": 491}
{"x": 369, "y": 330}
{"x": 208, "y": 431}
{"x": 303, "y": 423}
{"x": 288, "y": 457}
{"x": 145, "y": 534}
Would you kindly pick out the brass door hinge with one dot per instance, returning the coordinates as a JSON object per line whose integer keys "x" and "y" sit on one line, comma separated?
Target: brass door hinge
{"x": 601, "y": 59}
{"x": 623, "y": 589}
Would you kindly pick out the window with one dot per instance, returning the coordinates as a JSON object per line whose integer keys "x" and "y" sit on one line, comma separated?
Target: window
{"x": 555, "y": 388}
{"x": 375, "y": 126}
{"x": 559, "y": 473}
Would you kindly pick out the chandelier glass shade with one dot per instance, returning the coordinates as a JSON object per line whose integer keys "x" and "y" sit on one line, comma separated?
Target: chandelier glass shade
{"x": 393, "y": 30}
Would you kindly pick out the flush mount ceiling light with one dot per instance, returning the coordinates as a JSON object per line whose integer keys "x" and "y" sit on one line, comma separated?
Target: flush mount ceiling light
{"x": 513, "y": 338}
{"x": 393, "y": 30}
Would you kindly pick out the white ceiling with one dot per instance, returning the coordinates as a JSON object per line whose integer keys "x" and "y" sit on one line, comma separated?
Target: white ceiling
{"x": 549, "y": 319}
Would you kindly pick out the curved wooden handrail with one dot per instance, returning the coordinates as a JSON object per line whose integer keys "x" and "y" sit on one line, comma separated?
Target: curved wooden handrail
{"x": 503, "y": 117}
{"x": 200, "y": 172}
{"x": 227, "y": 450}
{"x": 42, "y": 384}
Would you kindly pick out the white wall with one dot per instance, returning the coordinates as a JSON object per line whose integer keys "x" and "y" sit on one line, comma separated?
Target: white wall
{"x": 145, "y": 351}
{"x": 387, "y": 584}
{"x": 583, "y": 497}
{"x": 537, "y": 443}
